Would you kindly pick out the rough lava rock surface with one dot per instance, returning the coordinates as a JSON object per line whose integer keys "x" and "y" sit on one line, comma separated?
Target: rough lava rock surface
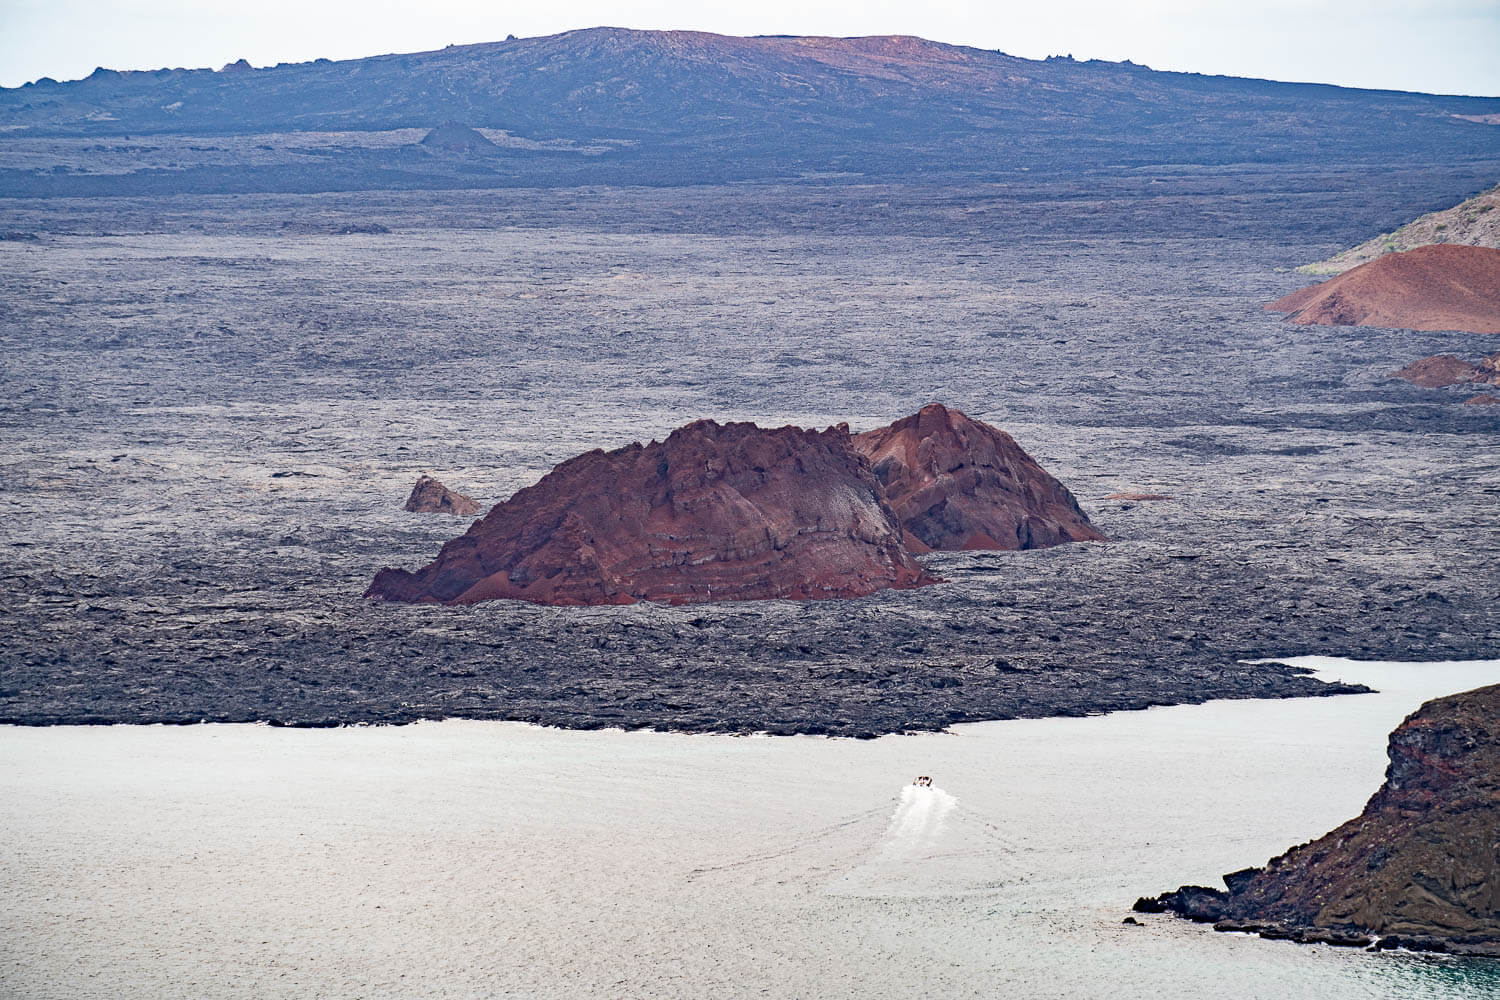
{"x": 958, "y": 483}
{"x": 1438, "y": 287}
{"x": 429, "y": 496}
{"x": 715, "y": 512}
{"x": 1419, "y": 868}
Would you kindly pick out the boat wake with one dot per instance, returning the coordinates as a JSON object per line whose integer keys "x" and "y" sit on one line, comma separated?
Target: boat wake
{"x": 929, "y": 846}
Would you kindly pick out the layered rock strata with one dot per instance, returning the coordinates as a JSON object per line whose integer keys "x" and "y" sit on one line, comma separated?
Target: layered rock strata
{"x": 1418, "y": 869}
{"x": 958, "y": 483}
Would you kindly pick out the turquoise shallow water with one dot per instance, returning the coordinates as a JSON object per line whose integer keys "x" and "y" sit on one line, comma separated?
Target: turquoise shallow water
{"x": 489, "y": 859}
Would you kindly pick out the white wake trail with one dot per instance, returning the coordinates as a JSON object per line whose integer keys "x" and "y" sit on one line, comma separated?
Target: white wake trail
{"x": 930, "y": 847}
{"x": 917, "y": 825}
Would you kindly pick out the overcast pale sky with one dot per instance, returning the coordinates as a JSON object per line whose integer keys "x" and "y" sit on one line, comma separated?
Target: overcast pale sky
{"x": 1443, "y": 46}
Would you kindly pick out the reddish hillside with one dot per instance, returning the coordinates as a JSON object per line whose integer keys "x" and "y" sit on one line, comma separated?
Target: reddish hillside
{"x": 729, "y": 512}
{"x": 957, "y": 483}
{"x": 1443, "y": 370}
{"x": 1439, "y": 287}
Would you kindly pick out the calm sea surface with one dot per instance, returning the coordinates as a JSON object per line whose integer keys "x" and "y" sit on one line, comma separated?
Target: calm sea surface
{"x": 468, "y": 859}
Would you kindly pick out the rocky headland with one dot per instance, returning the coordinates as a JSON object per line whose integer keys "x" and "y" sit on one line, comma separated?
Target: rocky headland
{"x": 1418, "y": 869}
{"x": 957, "y": 483}
{"x": 1439, "y": 287}
{"x": 726, "y": 512}
{"x": 429, "y": 496}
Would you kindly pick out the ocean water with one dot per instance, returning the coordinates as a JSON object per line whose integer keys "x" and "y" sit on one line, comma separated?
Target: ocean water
{"x": 464, "y": 859}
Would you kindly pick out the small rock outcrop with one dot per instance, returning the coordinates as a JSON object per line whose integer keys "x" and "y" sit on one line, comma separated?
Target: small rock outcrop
{"x": 958, "y": 483}
{"x": 1483, "y": 399}
{"x": 1419, "y": 868}
{"x": 431, "y": 497}
{"x": 715, "y": 512}
{"x": 1437, "y": 287}
{"x": 453, "y": 137}
{"x": 1442, "y": 370}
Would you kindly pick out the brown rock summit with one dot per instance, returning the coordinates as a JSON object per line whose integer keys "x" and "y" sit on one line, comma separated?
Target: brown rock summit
{"x": 957, "y": 483}
{"x": 1438, "y": 287}
{"x": 714, "y": 512}
{"x": 1420, "y": 867}
{"x": 1446, "y": 369}
{"x": 431, "y": 497}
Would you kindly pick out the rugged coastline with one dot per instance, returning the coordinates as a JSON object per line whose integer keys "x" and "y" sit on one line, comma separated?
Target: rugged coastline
{"x": 1418, "y": 869}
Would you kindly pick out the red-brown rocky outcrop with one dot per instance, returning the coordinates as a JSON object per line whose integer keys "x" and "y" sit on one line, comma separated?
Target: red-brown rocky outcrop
{"x": 1442, "y": 370}
{"x": 1483, "y": 399}
{"x": 429, "y": 496}
{"x": 1419, "y": 868}
{"x": 715, "y": 512}
{"x": 957, "y": 483}
{"x": 1437, "y": 287}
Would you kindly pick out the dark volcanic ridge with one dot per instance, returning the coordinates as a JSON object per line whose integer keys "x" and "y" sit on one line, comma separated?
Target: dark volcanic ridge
{"x": 616, "y": 106}
{"x": 734, "y": 512}
{"x": 1438, "y": 287}
{"x": 1418, "y": 869}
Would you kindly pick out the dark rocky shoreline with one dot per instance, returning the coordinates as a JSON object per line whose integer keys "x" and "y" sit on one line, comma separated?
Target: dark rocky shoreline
{"x": 1415, "y": 870}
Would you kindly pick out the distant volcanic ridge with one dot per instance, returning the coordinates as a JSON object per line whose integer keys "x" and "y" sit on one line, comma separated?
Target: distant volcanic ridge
{"x": 1418, "y": 869}
{"x": 1443, "y": 370}
{"x": 958, "y": 483}
{"x": 715, "y": 512}
{"x": 1437, "y": 287}
{"x": 429, "y": 496}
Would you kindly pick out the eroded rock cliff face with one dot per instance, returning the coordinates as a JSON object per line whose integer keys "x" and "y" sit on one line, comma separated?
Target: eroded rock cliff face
{"x": 429, "y": 496}
{"x": 1419, "y": 868}
{"x": 957, "y": 483}
{"x": 1438, "y": 287}
{"x": 715, "y": 512}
